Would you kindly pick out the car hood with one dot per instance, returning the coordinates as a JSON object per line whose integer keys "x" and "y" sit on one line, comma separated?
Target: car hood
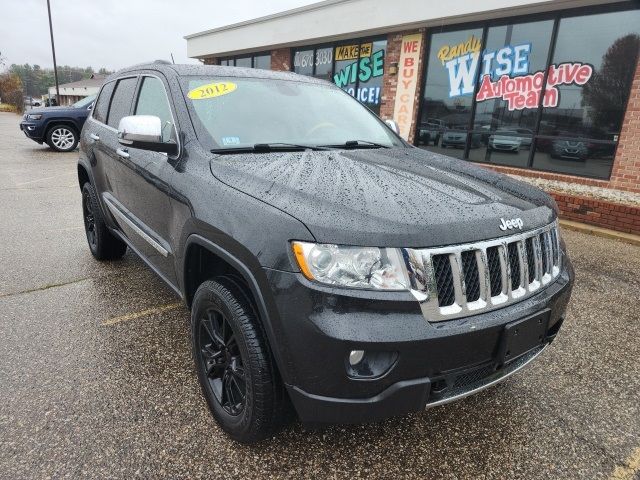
{"x": 506, "y": 138}
{"x": 50, "y": 110}
{"x": 386, "y": 197}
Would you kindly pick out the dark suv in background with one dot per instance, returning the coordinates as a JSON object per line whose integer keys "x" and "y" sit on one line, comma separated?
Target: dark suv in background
{"x": 59, "y": 127}
{"x": 328, "y": 265}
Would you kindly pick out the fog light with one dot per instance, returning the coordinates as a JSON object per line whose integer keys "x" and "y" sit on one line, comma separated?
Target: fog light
{"x": 355, "y": 357}
{"x": 369, "y": 363}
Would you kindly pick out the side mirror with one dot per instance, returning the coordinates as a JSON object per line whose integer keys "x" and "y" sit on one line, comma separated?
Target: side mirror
{"x": 90, "y": 107}
{"x": 393, "y": 125}
{"x": 144, "y": 132}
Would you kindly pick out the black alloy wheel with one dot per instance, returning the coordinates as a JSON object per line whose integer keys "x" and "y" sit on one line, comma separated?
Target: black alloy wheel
{"x": 89, "y": 219}
{"x": 222, "y": 359}
{"x": 102, "y": 243}
{"x": 235, "y": 368}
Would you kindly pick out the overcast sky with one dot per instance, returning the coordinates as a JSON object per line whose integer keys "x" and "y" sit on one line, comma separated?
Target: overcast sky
{"x": 117, "y": 33}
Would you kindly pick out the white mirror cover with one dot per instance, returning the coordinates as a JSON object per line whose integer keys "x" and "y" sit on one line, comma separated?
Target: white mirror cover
{"x": 142, "y": 128}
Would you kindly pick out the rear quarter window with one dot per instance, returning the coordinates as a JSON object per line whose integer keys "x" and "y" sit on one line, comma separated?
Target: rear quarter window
{"x": 121, "y": 100}
{"x": 102, "y": 103}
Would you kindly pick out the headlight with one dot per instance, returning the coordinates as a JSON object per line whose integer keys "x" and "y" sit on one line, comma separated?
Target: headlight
{"x": 34, "y": 116}
{"x": 352, "y": 267}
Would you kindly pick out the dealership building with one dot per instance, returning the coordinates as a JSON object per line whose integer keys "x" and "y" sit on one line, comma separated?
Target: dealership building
{"x": 546, "y": 90}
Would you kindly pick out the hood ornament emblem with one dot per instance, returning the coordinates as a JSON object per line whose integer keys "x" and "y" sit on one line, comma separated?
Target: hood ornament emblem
{"x": 511, "y": 224}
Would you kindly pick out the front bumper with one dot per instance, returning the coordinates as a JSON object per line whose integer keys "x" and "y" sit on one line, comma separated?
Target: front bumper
{"x": 32, "y": 131}
{"x": 508, "y": 147}
{"x": 454, "y": 142}
{"x": 432, "y": 363}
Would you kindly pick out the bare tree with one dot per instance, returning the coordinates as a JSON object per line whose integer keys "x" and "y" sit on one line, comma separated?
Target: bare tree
{"x": 608, "y": 89}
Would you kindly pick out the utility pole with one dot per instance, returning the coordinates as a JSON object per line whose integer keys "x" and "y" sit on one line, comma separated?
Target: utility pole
{"x": 53, "y": 50}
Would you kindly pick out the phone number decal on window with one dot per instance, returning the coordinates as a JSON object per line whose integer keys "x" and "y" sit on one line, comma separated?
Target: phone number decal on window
{"x": 212, "y": 90}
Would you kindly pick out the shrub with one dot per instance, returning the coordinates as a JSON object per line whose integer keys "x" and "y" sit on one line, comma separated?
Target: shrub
{"x": 15, "y": 98}
{"x": 11, "y": 91}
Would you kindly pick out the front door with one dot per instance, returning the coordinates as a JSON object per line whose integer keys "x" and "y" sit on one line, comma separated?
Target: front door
{"x": 141, "y": 197}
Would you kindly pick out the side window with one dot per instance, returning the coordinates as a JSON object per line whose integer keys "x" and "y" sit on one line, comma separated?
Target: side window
{"x": 121, "y": 101}
{"x": 102, "y": 103}
{"x": 152, "y": 100}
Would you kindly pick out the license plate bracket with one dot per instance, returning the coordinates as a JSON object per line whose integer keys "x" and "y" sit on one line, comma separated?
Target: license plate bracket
{"x": 523, "y": 335}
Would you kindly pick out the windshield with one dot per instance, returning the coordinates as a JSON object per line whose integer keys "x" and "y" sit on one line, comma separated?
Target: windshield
{"x": 233, "y": 113}
{"x": 85, "y": 102}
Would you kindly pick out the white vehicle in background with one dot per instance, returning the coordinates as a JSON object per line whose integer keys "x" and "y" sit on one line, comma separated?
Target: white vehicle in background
{"x": 505, "y": 140}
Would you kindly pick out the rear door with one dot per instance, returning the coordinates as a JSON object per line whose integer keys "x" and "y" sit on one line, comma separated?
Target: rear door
{"x": 119, "y": 107}
{"x": 93, "y": 132}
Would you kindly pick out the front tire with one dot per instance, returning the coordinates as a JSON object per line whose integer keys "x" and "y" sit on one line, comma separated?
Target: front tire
{"x": 237, "y": 374}
{"x": 102, "y": 243}
{"x": 62, "y": 138}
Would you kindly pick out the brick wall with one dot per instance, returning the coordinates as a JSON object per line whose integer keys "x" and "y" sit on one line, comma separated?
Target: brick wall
{"x": 523, "y": 172}
{"x": 626, "y": 168}
{"x": 390, "y": 81}
{"x": 622, "y": 218}
{"x": 281, "y": 59}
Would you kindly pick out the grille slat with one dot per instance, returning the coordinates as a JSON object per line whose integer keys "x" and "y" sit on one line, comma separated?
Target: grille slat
{"x": 495, "y": 272}
{"x": 444, "y": 280}
{"x": 554, "y": 246}
{"x": 544, "y": 252}
{"x": 471, "y": 275}
{"x": 514, "y": 265}
{"x": 531, "y": 259}
{"x": 460, "y": 280}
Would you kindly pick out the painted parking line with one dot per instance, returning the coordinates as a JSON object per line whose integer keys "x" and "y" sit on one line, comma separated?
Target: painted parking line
{"x": 141, "y": 313}
{"x": 630, "y": 469}
{"x": 43, "y": 179}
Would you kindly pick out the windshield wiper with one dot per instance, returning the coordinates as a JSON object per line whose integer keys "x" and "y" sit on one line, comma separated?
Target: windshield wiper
{"x": 268, "y": 147}
{"x": 358, "y": 144}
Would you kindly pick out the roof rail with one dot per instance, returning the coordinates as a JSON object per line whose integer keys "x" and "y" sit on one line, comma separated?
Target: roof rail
{"x": 161, "y": 62}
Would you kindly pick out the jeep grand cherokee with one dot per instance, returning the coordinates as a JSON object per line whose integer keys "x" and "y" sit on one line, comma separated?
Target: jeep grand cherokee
{"x": 328, "y": 265}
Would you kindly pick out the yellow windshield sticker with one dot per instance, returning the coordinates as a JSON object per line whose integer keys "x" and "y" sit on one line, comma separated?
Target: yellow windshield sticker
{"x": 212, "y": 90}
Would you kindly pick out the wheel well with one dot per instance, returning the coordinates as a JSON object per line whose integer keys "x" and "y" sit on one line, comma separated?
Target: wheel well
{"x": 201, "y": 265}
{"x": 55, "y": 123}
{"x": 83, "y": 176}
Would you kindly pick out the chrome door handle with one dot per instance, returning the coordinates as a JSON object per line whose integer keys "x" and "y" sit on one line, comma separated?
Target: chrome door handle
{"x": 122, "y": 153}
{"x": 94, "y": 137}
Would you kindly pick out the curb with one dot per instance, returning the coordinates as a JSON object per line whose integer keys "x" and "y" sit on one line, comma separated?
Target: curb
{"x": 601, "y": 232}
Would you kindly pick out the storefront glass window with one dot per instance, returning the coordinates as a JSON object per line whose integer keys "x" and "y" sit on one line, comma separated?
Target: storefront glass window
{"x": 448, "y": 92}
{"x": 323, "y": 63}
{"x": 588, "y": 87}
{"x": 262, "y": 61}
{"x": 355, "y": 67}
{"x": 505, "y": 126}
{"x": 303, "y": 62}
{"x": 589, "y": 79}
{"x": 257, "y": 61}
{"x": 243, "y": 62}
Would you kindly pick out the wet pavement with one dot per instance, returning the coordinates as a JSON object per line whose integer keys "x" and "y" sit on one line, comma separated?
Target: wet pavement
{"x": 96, "y": 378}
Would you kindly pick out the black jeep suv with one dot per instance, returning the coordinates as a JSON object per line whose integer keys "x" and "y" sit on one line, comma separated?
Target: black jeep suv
{"x": 328, "y": 265}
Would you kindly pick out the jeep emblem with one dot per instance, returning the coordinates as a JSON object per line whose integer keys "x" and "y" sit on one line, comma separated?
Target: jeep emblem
{"x": 511, "y": 224}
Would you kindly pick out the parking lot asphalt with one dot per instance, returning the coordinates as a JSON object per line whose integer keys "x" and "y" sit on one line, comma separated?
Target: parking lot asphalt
{"x": 97, "y": 381}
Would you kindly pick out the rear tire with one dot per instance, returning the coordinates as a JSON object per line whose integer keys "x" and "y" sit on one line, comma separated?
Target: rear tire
{"x": 62, "y": 138}
{"x": 102, "y": 243}
{"x": 237, "y": 374}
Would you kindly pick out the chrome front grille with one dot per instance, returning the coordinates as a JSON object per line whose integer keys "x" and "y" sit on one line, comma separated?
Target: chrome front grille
{"x": 462, "y": 280}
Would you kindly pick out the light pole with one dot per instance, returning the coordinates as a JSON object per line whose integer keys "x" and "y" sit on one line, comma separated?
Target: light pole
{"x": 53, "y": 50}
